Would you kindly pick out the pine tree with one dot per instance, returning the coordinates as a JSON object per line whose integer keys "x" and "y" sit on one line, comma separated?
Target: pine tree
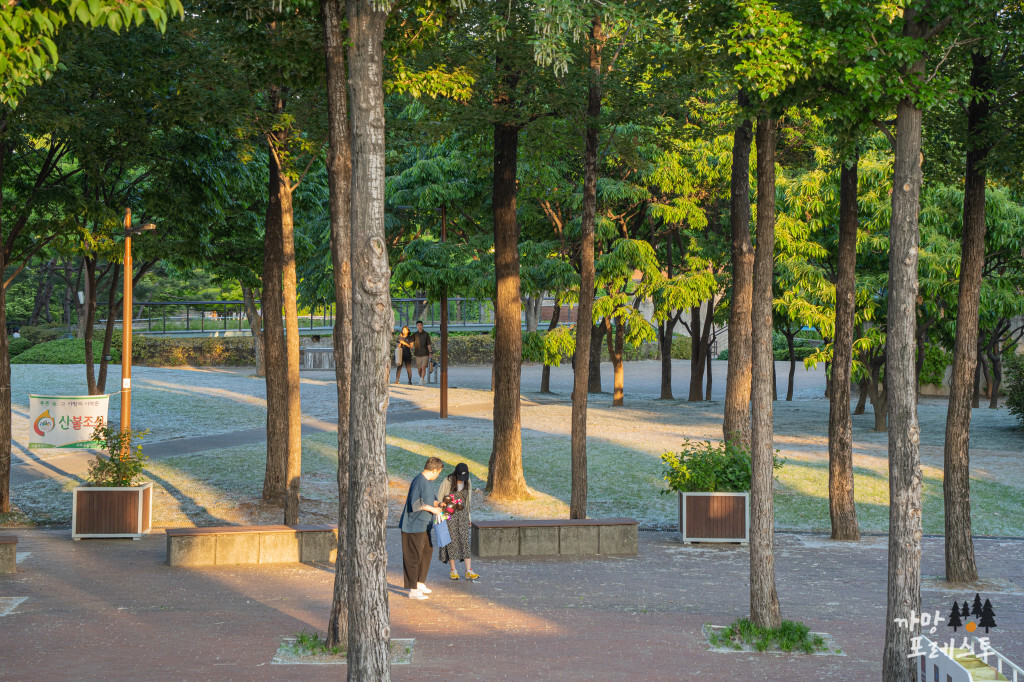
{"x": 988, "y": 617}
{"x": 976, "y": 606}
{"x": 965, "y": 612}
{"x": 954, "y": 617}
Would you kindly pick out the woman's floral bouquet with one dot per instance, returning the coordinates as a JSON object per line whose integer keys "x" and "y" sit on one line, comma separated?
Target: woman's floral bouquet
{"x": 451, "y": 504}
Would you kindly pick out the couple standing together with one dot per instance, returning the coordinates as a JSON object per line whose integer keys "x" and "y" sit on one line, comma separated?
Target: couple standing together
{"x": 413, "y": 345}
{"x": 421, "y": 507}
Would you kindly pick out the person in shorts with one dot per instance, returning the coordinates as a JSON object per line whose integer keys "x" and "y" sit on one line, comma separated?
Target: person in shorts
{"x": 421, "y": 350}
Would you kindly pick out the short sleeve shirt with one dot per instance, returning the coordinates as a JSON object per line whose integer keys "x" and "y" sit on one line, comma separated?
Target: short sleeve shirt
{"x": 421, "y": 343}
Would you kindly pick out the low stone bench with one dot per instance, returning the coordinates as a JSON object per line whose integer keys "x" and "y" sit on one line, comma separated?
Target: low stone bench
{"x": 234, "y": 545}
{"x": 565, "y": 537}
{"x": 8, "y": 553}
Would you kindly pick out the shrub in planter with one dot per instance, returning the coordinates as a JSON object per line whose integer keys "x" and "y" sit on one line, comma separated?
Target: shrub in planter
{"x": 115, "y": 502}
{"x": 713, "y": 484}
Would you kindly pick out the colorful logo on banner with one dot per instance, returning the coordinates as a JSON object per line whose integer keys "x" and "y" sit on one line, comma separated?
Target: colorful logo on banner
{"x": 65, "y": 421}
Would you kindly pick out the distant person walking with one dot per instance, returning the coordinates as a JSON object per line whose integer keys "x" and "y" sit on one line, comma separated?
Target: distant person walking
{"x": 417, "y": 517}
{"x": 403, "y": 355}
{"x": 459, "y": 525}
{"x": 421, "y": 349}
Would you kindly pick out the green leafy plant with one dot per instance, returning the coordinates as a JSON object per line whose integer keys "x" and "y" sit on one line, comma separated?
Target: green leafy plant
{"x": 313, "y": 644}
{"x": 1014, "y": 387}
{"x": 788, "y": 636}
{"x": 124, "y": 463}
{"x": 933, "y": 369}
{"x": 705, "y": 467}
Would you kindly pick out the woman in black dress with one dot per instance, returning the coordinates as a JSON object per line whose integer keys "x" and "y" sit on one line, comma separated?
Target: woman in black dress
{"x": 403, "y": 355}
{"x": 458, "y": 486}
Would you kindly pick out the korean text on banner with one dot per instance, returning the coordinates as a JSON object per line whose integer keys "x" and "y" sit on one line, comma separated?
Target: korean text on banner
{"x": 65, "y": 421}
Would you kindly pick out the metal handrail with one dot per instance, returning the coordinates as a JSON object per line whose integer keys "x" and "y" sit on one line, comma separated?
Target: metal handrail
{"x": 1018, "y": 672}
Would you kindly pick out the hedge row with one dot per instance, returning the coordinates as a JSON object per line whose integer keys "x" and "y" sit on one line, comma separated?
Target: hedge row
{"x": 237, "y": 351}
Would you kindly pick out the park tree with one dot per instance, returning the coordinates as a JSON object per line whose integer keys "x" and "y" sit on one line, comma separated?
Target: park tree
{"x": 339, "y": 169}
{"x": 368, "y": 618}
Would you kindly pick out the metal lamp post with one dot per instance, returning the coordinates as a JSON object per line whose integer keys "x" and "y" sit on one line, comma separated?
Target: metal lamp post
{"x": 126, "y": 324}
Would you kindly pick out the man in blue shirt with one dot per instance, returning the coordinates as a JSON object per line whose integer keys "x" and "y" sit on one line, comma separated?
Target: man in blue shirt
{"x": 417, "y": 517}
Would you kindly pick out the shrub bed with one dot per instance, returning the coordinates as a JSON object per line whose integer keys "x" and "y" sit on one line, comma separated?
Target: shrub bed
{"x": 59, "y": 352}
{"x": 232, "y": 351}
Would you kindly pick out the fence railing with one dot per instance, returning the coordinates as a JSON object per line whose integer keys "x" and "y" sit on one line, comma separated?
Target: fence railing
{"x": 170, "y": 317}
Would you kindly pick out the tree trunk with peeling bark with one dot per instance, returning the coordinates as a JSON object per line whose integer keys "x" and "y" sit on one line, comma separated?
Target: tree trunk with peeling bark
{"x": 255, "y": 319}
{"x": 339, "y": 173}
{"x": 904, "y": 569}
{"x": 764, "y": 600}
{"x": 582, "y": 356}
{"x": 5, "y": 397}
{"x": 505, "y": 479}
{"x": 274, "y": 343}
{"x": 841, "y": 507}
{"x": 369, "y": 629}
{"x": 289, "y": 292}
{"x": 736, "y": 424}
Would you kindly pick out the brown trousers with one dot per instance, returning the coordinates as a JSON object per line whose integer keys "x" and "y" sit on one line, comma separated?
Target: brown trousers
{"x": 416, "y": 555}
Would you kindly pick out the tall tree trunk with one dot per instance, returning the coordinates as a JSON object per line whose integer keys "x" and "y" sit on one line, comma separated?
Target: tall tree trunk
{"x": 736, "y": 424}
{"x": 665, "y": 337}
{"x": 89, "y": 325}
{"x": 904, "y": 583}
{"x": 252, "y": 314}
{"x": 339, "y": 175}
{"x": 289, "y": 292}
{"x": 274, "y": 344}
{"x": 956, "y": 482}
{"x": 792, "y": 365}
{"x": 44, "y": 292}
{"x": 997, "y": 378}
{"x": 545, "y": 373}
{"x": 698, "y": 334}
{"x": 108, "y": 331}
{"x": 976, "y": 389}
{"x": 369, "y": 629}
{"x": 615, "y": 344}
{"x": 764, "y": 601}
{"x": 879, "y": 397}
{"x": 582, "y": 357}
{"x": 841, "y": 509}
{"x": 862, "y": 397}
{"x": 5, "y": 396}
{"x": 707, "y": 358}
{"x": 594, "y": 378}
{"x": 505, "y": 474}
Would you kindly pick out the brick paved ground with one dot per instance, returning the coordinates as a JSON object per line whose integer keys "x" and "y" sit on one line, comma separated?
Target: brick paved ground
{"x": 112, "y": 609}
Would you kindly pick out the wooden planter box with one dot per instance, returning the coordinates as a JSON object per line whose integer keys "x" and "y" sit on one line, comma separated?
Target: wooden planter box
{"x": 714, "y": 517}
{"x": 98, "y": 512}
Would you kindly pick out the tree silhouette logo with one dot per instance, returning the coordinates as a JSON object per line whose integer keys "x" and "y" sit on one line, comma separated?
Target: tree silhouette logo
{"x": 960, "y": 616}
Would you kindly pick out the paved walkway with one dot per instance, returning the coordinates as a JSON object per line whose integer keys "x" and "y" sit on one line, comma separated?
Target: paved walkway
{"x": 111, "y": 609}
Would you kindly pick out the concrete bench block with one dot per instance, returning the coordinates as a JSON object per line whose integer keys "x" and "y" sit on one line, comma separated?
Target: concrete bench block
{"x": 488, "y": 542}
{"x": 622, "y": 540}
{"x": 538, "y": 541}
{"x": 8, "y": 554}
{"x": 579, "y": 540}
{"x": 191, "y": 550}
{"x": 319, "y": 546}
{"x": 238, "y": 548}
{"x": 279, "y": 548}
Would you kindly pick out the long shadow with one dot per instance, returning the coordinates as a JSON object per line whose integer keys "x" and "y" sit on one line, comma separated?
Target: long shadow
{"x": 197, "y": 514}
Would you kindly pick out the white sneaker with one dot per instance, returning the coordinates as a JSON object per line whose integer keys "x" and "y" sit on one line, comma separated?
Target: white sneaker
{"x": 416, "y": 594}
{"x": 423, "y": 588}
{"x": 421, "y": 381}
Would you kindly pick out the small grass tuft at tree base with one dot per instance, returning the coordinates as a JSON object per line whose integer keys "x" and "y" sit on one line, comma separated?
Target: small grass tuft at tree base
{"x": 313, "y": 644}
{"x": 789, "y": 636}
